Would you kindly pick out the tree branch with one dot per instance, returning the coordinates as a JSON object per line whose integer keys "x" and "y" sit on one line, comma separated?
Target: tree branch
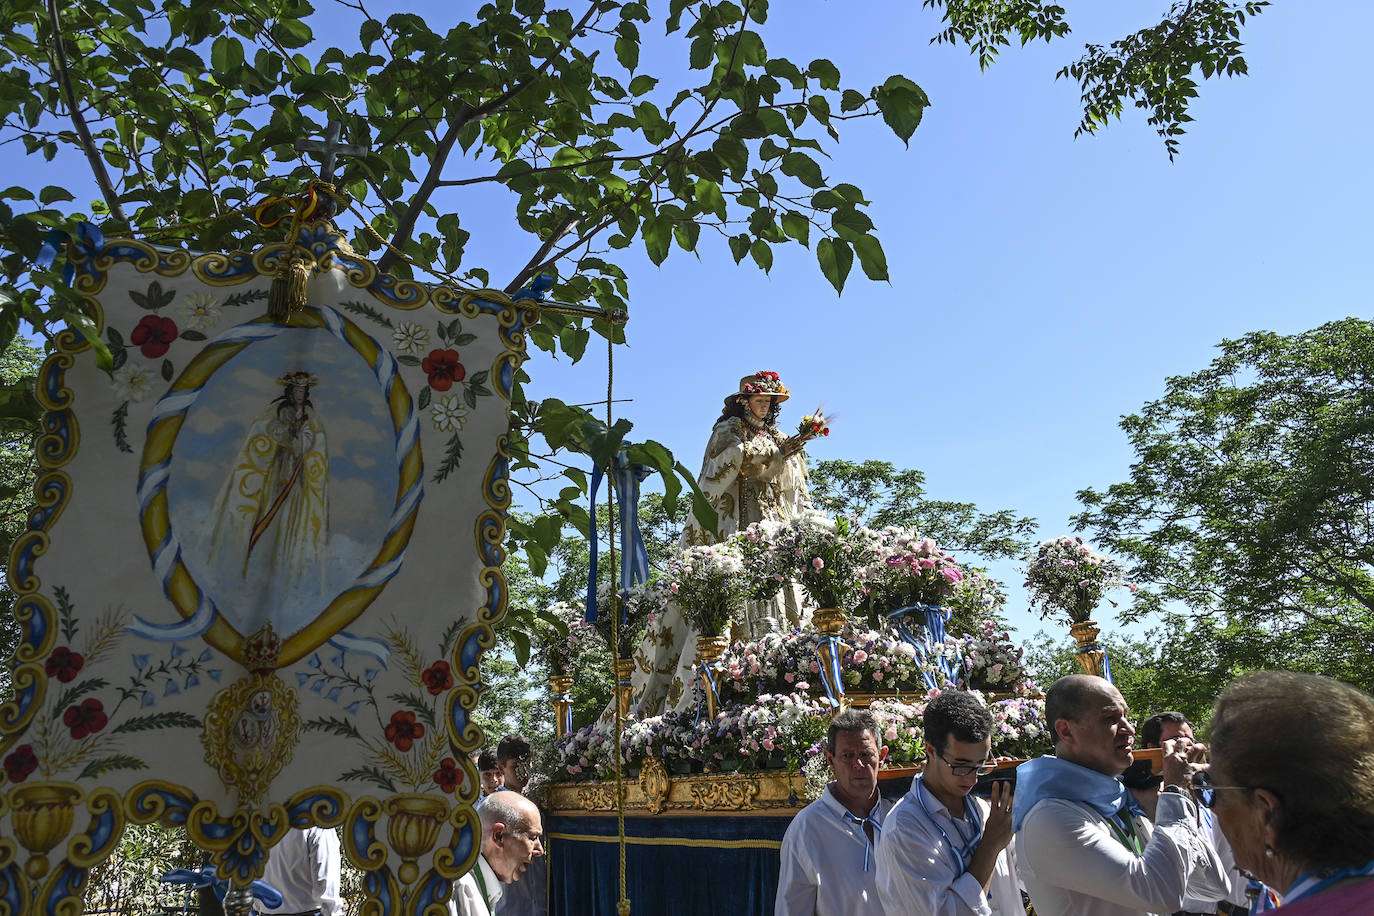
{"x": 83, "y": 133}
{"x": 568, "y": 223}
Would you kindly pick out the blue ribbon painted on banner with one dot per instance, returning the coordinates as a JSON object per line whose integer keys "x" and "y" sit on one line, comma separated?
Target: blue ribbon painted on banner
{"x": 87, "y": 235}
{"x": 830, "y": 668}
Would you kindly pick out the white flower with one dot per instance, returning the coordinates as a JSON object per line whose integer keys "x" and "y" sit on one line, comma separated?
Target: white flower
{"x": 410, "y": 337}
{"x": 199, "y": 312}
{"x": 133, "y": 382}
{"x": 448, "y": 413}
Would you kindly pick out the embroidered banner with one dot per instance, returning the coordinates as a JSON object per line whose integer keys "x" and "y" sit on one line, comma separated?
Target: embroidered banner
{"x": 264, "y": 562}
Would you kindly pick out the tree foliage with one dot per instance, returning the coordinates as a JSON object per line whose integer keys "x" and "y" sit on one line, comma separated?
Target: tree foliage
{"x": 880, "y": 496}
{"x": 1251, "y": 499}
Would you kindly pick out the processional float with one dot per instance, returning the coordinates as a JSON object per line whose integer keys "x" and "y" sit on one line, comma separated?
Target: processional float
{"x": 264, "y": 561}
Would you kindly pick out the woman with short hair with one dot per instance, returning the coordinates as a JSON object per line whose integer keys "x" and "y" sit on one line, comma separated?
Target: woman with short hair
{"x": 1292, "y": 782}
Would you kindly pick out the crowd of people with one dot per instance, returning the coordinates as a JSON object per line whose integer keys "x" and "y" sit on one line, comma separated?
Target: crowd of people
{"x": 1278, "y": 812}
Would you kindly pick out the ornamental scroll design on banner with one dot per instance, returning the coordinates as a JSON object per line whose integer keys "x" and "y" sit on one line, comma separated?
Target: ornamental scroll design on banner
{"x": 241, "y": 529}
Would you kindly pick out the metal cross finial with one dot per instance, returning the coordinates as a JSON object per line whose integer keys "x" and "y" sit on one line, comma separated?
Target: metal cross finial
{"x": 329, "y": 149}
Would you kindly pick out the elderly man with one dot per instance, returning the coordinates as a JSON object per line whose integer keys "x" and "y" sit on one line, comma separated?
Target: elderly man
{"x": 305, "y": 867}
{"x": 1085, "y": 847}
{"x": 827, "y": 852}
{"x": 944, "y": 853}
{"x": 512, "y": 837}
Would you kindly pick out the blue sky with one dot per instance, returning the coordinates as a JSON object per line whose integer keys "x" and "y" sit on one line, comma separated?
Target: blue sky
{"x": 1041, "y": 287}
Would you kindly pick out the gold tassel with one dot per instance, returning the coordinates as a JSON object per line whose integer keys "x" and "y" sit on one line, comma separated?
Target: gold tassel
{"x": 288, "y": 292}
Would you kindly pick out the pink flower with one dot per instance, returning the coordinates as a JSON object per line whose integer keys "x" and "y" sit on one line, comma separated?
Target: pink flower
{"x": 767, "y": 744}
{"x": 803, "y": 686}
{"x": 952, "y": 574}
{"x": 890, "y": 734}
{"x": 817, "y": 563}
{"x": 860, "y": 656}
{"x": 877, "y": 675}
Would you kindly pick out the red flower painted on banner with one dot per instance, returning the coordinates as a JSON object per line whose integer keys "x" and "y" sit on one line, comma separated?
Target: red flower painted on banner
{"x": 448, "y": 775}
{"x": 153, "y": 335}
{"x": 404, "y": 731}
{"x": 64, "y": 664}
{"x": 443, "y": 369}
{"x": 438, "y": 677}
{"x": 86, "y": 719}
{"x": 20, "y": 763}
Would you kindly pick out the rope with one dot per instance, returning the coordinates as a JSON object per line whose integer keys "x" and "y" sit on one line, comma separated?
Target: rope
{"x": 623, "y": 906}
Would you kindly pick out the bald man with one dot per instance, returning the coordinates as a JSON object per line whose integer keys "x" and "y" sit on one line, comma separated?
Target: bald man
{"x": 512, "y": 837}
{"x": 1085, "y": 846}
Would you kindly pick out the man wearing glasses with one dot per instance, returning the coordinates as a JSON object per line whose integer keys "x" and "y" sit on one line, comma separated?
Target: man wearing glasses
{"x": 512, "y": 837}
{"x": 1086, "y": 846}
{"x": 944, "y": 852}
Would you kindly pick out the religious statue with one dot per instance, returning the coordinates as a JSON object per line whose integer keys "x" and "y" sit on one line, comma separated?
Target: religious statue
{"x": 752, "y": 472}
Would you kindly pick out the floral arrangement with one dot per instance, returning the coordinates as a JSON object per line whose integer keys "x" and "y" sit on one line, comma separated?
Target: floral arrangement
{"x": 813, "y": 424}
{"x": 993, "y": 663}
{"x": 828, "y": 557}
{"x": 913, "y": 570}
{"x": 977, "y": 596}
{"x": 625, "y": 617}
{"x": 1066, "y": 576}
{"x": 561, "y": 635}
{"x": 1019, "y": 728}
{"x": 765, "y": 565}
{"x": 763, "y": 382}
{"x": 709, "y": 583}
{"x": 901, "y": 730}
{"x": 880, "y": 660}
{"x": 774, "y": 731}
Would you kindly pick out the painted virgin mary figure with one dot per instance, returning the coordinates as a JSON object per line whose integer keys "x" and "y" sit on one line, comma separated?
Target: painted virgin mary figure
{"x": 270, "y": 521}
{"x": 752, "y": 472}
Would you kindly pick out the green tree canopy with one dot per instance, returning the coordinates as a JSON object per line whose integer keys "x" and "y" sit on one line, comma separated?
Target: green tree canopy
{"x": 1251, "y": 500}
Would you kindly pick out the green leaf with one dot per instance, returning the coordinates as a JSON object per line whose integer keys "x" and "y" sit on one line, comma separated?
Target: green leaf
{"x": 709, "y": 197}
{"x": 157, "y": 721}
{"x": 762, "y": 254}
{"x": 739, "y": 246}
{"x": 852, "y": 100}
{"x": 113, "y": 762}
{"x": 658, "y": 238}
{"x": 642, "y": 84}
{"x": 627, "y": 52}
{"x": 803, "y": 168}
{"x": 703, "y": 52}
{"x": 226, "y": 54}
{"x": 902, "y": 104}
{"x": 836, "y": 258}
{"x": 423, "y": 400}
{"x": 850, "y": 223}
{"x": 52, "y": 194}
{"x": 825, "y": 73}
{"x": 871, "y": 257}
{"x": 796, "y": 226}
{"x": 520, "y": 640}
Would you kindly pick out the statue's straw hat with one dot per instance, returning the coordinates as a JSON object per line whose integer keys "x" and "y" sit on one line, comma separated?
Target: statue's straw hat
{"x": 760, "y": 383}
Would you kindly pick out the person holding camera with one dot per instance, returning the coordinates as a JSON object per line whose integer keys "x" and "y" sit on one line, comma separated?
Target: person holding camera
{"x": 944, "y": 852}
{"x": 1087, "y": 846}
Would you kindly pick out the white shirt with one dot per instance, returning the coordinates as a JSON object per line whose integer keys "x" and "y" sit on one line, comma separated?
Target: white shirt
{"x": 919, "y": 872}
{"x": 822, "y": 871}
{"x": 304, "y": 866}
{"x": 1073, "y": 864}
{"x": 468, "y": 899}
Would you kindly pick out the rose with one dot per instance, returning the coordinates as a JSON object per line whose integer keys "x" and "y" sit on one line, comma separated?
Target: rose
{"x": 443, "y": 369}
{"x": 403, "y": 731}
{"x": 153, "y": 335}
{"x": 20, "y": 763}
{"x": 438, "y": 677}
{"x": 86, "y": 719}
{"x": 64, "y": 664}
{"x": 447, "y": 776}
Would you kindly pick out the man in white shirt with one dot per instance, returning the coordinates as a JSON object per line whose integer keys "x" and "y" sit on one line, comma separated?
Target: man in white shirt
{"x": 944, "y": 852}
{"x": 512, "y": 837}
{"x": 305, "y": 866}
{"x": 827, "y": 851}
{"x": 1085, "y": 846}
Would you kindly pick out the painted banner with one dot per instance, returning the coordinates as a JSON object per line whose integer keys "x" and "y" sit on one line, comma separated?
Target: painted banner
{"x": 263, "y": 565}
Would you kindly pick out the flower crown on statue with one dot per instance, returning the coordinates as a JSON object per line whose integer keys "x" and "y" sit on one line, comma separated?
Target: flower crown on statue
{"x": 298, "y": 380}
{"x": 764, "y": 382}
